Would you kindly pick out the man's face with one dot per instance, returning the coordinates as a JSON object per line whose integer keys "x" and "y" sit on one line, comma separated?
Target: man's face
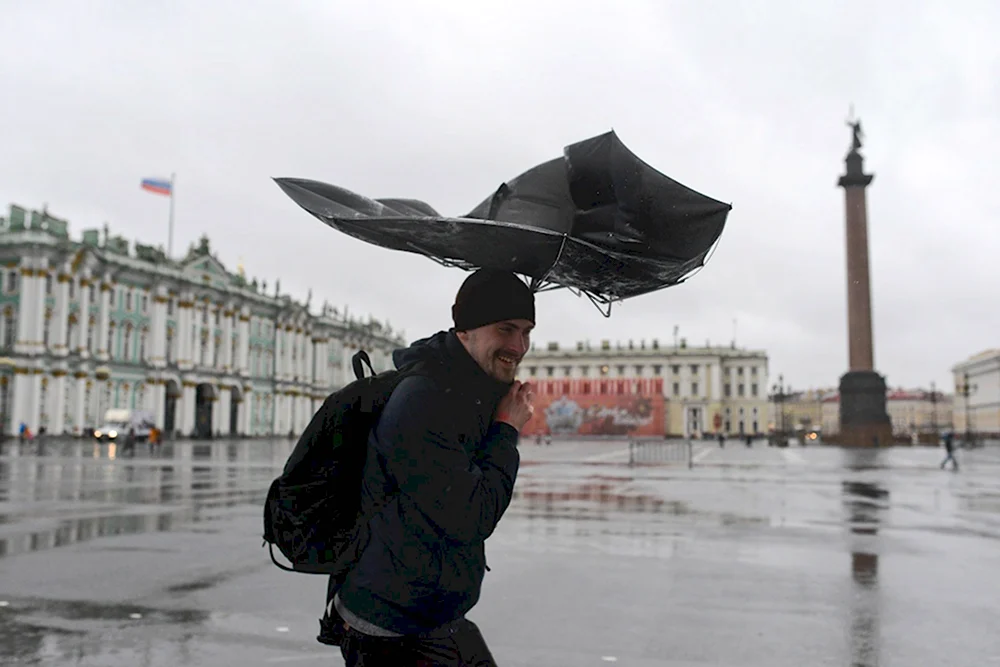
{"x": 499, "y": 347}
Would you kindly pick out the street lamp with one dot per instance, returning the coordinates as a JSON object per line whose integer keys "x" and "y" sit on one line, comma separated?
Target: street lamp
{"x": 778, "y": 396}
{"x": 934, "y": 424}
{"x": 964, "y": 389}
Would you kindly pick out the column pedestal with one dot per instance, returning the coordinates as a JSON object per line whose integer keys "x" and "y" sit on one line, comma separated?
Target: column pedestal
{"x": 864, "y": 421}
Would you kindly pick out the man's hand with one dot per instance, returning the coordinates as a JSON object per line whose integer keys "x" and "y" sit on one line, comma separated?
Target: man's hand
{"x": 516, "y": 407}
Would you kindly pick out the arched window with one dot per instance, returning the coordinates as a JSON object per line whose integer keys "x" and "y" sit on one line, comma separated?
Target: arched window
{"x": 170, "y": 345}
{"x": 142, "y": 344}
{"x": 111, "y": 340}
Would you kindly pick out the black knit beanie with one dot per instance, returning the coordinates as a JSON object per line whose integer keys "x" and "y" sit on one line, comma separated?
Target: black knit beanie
{"x": 489, "y": 296}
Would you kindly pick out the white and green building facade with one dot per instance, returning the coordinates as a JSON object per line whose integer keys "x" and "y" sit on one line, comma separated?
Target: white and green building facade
{"x": 86, "y": 326}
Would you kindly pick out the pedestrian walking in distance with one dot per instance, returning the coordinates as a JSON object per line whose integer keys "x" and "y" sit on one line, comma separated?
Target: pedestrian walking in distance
{"x": 949, "y": 447}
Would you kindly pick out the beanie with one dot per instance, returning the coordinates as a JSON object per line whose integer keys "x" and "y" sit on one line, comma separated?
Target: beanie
{"x": 489, "y": 296}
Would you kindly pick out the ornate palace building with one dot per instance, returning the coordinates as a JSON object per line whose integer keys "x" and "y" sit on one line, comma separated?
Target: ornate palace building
{"x": 645, "y": 388}
{"x": 86, "y": 326}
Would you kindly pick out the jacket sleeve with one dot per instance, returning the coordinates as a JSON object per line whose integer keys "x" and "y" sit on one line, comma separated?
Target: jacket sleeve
{"x": 416, "y": 438}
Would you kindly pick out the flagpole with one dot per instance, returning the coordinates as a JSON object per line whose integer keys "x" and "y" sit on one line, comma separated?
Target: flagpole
{"x": 170, "y": 233}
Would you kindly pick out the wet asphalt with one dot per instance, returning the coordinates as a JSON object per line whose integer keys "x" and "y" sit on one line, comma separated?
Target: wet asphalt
{"x": 753, "y": 556}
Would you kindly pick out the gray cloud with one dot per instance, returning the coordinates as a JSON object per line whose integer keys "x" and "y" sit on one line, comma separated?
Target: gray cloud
{"x": 744, "y": 101}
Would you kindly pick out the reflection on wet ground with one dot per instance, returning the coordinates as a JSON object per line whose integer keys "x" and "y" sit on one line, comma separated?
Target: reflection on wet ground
{"x": 81, "y": 490}
{"x": 755, "y": 556}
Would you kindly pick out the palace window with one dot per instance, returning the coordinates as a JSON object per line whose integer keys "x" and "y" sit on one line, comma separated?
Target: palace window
{"x": 9, "y": 329}
{"x": 127, "y": 344}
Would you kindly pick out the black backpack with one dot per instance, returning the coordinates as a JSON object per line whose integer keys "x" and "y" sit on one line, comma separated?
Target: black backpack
{"x": 313, "y": 509}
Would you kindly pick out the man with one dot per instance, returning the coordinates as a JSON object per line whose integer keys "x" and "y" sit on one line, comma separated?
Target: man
{"x": 442, "y": 461}
{"x": 949, "y": 448}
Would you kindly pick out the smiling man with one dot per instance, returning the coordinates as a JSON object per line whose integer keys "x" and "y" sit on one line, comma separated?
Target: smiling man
{"x": 441, "y": 467}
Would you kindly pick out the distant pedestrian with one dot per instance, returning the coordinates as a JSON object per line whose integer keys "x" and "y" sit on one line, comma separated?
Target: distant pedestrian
{"x": 129, "y": 447}
{"x": 749, "y": 441}
{"x": 949, "y": 447}
{"x": 722, "y": 439}
{"x": 154, "y": 440}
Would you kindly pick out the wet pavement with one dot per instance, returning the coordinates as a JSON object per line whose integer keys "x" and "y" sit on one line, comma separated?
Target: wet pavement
{"x": 759, "y": 556}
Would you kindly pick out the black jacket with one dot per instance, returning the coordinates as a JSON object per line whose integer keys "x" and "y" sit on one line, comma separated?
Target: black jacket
{"x": 446, "y": 472}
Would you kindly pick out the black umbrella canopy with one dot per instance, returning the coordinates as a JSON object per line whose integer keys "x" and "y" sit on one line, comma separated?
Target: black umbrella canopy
{"x": 598, "y": 220}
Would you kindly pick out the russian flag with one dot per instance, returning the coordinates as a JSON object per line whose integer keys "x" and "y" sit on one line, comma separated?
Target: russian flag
{"x": 159, "y": 186}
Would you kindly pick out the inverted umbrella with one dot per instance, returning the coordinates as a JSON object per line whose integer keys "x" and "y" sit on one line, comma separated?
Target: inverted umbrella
{"x": 598, "y": 221}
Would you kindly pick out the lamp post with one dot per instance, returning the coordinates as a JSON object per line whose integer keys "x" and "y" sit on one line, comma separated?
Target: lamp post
{"x": 934, "y": 423}
{"x": 964, "y": 390}
{"x": 778, "y": 396}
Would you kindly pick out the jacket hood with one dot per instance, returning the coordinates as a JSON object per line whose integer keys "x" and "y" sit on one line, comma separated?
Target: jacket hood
{"x": 445, "y": 352}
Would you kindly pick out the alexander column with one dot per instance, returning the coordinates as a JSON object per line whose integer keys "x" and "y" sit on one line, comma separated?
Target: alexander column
{"x": 864, "y": 421}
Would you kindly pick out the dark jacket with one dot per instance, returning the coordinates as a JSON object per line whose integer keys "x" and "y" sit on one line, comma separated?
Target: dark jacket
{"x": 446, "y": 472}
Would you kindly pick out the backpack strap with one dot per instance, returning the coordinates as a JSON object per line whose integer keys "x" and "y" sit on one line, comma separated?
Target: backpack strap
{"x": 361, "y": 357}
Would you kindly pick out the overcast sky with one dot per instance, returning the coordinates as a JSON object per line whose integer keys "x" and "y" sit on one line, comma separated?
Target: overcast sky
{"x": 442, "y": 101}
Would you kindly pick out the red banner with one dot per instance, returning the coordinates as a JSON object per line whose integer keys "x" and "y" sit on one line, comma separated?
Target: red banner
{"x": 598, "y": 407}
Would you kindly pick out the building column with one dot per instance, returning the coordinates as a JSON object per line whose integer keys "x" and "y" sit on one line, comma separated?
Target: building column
{"x": 246, "y": 412}
{"x": 84, "y": 316}
{"x": 300, "y": 347}
{"x": 156, "y": 352}
{"x": 716, "y": 380}
{"x": 243, "y": 345}
{"x": 57, "y": 402}
{"x": 60, "y": 316}
{"x": 19, "y": 399}
{"x": 41, "y": 273}
{"x": 187, "y": 408}
{"x": 35, "y": 400}
{"x": 225, "y": 405}
{"x": 26, "y": 309}
{"x": 197, "y": 359}
{"x": 227, "y": 339}
{"x": 322, "y": 367}
{"x": 305, "y": 340}
{"x": 159, "y": 409}
{"x": 104, "y": 320}
{"x": 184, "y": 310}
